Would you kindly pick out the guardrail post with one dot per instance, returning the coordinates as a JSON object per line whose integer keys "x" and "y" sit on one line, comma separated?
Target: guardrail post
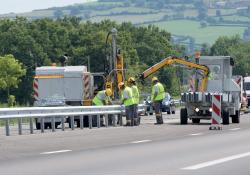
{"x": 42, "y": 125}
{"x": 7, "y": 127}
{"x": 20, "y": 126}
{"x": 72, "y": 122}
{"x": 81, "y": 122}
{"x": 107, "y": 120}
{"x": 62, "y": 123}
{"x": 53, "y": 125}
{"x": 31, "y": 126}
{"x": 90, "y": 121}
{"x": 98, "y": 121}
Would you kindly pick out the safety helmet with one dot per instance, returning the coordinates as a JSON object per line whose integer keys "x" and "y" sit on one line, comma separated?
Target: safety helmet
{"x": 108, "y": 92}
{"x": 131, "y": 79}
{"x": 154, "y": 79}
{"x": 121, "y": 84}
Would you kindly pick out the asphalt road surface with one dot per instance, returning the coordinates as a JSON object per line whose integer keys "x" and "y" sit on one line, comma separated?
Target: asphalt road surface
{"x": 169, "y": 149}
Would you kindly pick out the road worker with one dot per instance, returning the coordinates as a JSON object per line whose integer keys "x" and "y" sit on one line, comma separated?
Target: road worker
{"x": 157, "y": 95}
{"x": 128, "y": 101}
{"x": 136, "y": 96}
{"x": 102, "y": 98}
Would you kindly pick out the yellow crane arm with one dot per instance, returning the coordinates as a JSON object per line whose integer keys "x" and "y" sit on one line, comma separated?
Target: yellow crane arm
{"x": 174, "y": 60}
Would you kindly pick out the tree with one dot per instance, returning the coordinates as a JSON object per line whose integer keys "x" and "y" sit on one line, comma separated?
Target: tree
{"x": 218, "y": 13}
{"x": 205, "y": 49}
{"x": 58, "y": 13}
{"x": 223, "y": 45}
{"x": 10, "y": 72}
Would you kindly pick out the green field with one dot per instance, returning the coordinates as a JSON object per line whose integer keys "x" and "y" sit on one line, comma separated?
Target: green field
{"x": 130, "y": 18}
{"x": 201, "y": 35}
{"x": 237, "y": 18}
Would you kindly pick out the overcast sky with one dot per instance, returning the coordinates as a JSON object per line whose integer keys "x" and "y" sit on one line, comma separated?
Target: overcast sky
{"x": 18, "y": 6}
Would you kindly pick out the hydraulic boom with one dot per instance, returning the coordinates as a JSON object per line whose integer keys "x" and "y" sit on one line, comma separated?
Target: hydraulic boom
{"x": 174, "y": 60}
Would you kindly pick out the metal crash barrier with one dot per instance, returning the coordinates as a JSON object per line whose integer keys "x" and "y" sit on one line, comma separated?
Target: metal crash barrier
{"x": 115, "y": 112}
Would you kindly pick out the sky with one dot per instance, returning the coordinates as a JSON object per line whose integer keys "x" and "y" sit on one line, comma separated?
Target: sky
{"x": 18, "y": 6}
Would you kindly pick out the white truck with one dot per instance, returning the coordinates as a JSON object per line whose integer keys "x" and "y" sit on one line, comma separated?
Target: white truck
{"x": 198, "y": 104}
{"x": 62, "y": 86}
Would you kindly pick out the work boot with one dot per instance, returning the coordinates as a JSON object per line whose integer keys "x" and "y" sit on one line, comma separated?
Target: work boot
{"x": 136, "y": 122}
{"x": 159, "y": 120}
{"x": 133, "y": 122}
{"x": 139, "y": 121}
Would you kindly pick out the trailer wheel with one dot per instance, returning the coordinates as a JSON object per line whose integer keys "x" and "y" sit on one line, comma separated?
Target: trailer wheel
{"x": 57, "y": 124}
{"x": 183, "y": 116}
{"x": 236, "y": 117}
{"x": 225, "y": 118}
{"x": 78, "y": 123}
{"x": 196, "y": 120}
{"x": 47, "y": 125}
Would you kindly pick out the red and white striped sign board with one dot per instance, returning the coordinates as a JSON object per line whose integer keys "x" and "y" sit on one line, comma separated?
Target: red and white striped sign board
{"x": 35, "y": 89}
{"x": 86, "y": 84}
{"x": 216, "y": 111}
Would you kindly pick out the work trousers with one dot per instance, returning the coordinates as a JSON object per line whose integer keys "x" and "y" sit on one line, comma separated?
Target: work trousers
{"x": 129, "y": 110}
{"x": 136, "y": 116}
{"x": 158, "y": 112}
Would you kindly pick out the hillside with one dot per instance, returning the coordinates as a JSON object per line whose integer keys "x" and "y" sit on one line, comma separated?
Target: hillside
{"x": 191, "y": 22}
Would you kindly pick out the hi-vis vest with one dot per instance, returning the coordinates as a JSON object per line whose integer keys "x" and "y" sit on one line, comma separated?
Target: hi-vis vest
{"x": 159, "y": 90}
{"x": 136, "y": 94}
{"x": 99, "y": 98}
{"x": 127, "y": 95}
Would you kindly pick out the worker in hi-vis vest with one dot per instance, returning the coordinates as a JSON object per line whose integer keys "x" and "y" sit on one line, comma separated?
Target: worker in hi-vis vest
{"x": 136, "y": 96}
{"x": 157, "y": 95}
{"x": 128, "y": 101}
{"x": 102, "y": 98}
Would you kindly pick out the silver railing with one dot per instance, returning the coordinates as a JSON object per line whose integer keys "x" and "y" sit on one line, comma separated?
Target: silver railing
{"x": 115, "y": 112}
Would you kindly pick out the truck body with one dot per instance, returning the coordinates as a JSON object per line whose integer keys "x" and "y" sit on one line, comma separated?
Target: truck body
{"x": 247, "y": 90}
{"x": 243, "y": 99}
{"x": 62, "y": 86}
{"x": 198, "y": 104}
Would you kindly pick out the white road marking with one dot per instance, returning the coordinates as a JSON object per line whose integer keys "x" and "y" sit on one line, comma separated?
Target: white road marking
{"x": 141, "y": 141}
{"x": 56, "y": 152}
{"x": 196, "y": 134}
{"x": 234, "y": 129}
{"x": 218, "y": 161}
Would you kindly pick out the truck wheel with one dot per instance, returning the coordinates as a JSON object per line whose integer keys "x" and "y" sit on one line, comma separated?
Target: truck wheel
{"x": 173, "y": 112}
{"x": 78, "y": 123}
{"x": 38, "y": 125}
{"x": 196, "y": 120}
{"x": 184, "y": 117}
{"x": 168, "y": 112}
{"x": 225, "y": 118}
{"x": 236, "y": 117}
